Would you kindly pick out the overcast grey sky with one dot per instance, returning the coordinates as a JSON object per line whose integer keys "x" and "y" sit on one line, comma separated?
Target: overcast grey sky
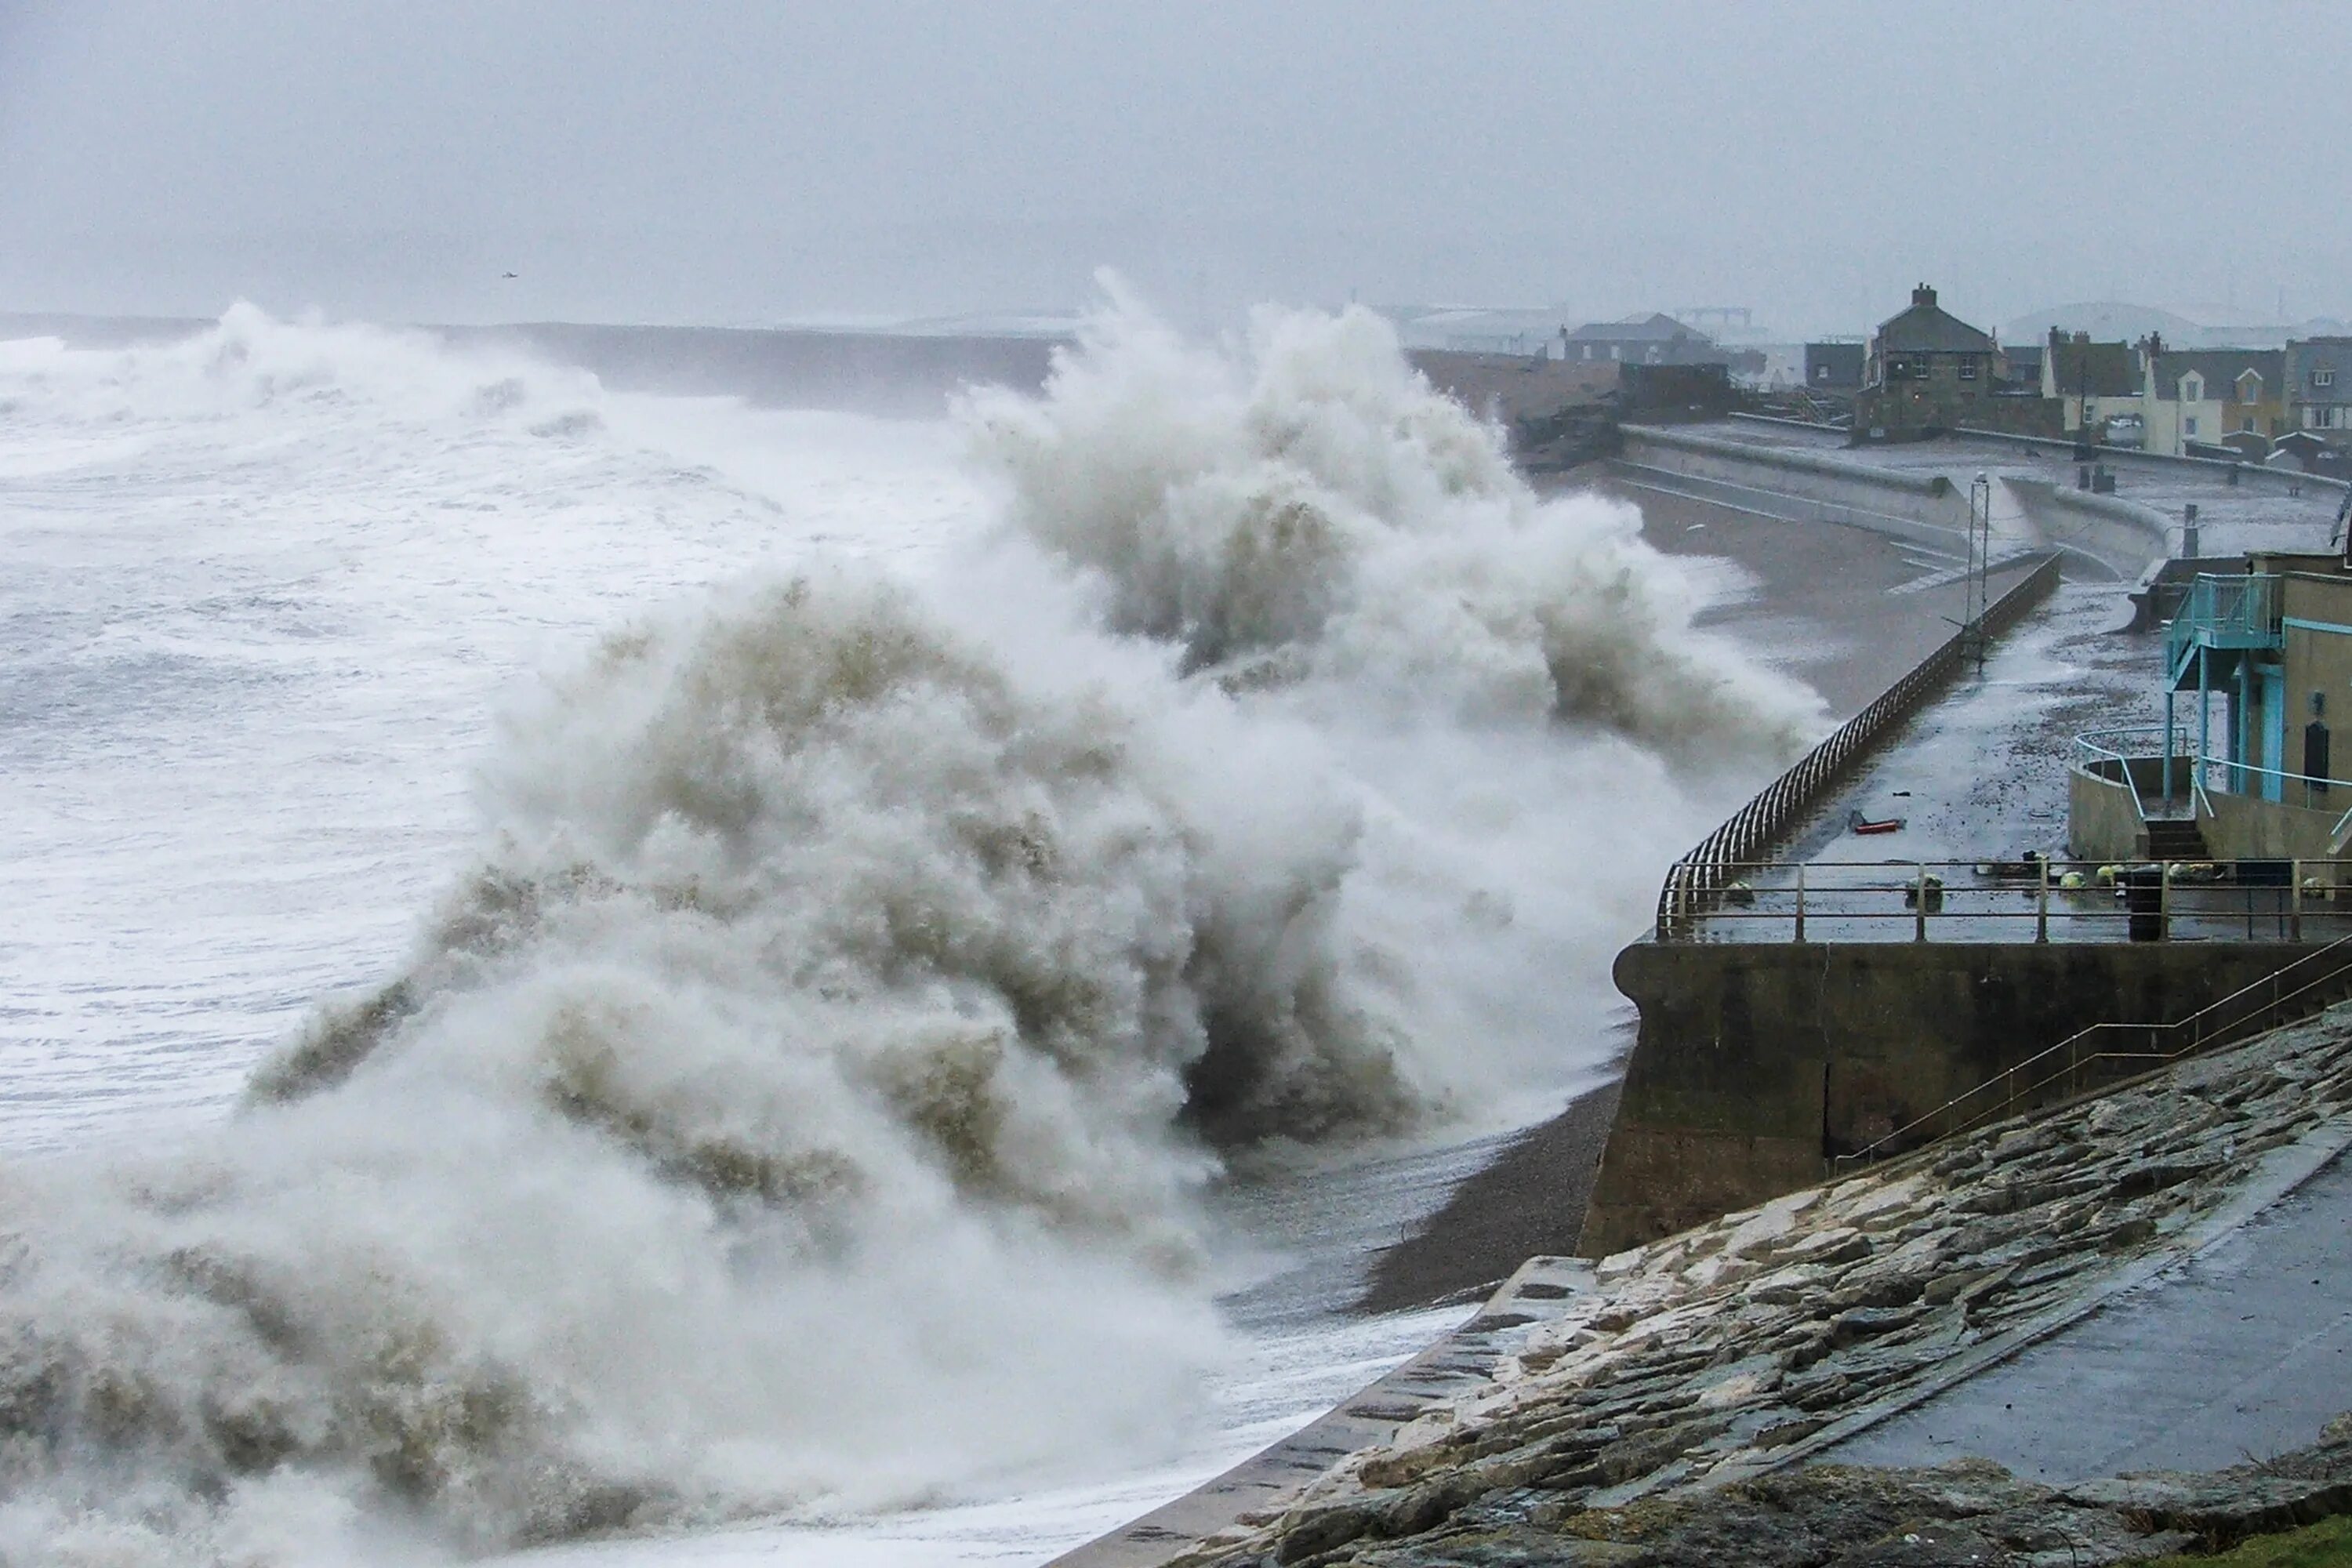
{"x": 762, "y": 160}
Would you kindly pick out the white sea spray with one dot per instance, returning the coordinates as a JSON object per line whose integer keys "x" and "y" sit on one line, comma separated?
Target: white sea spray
{"x": 802, "y": 1099}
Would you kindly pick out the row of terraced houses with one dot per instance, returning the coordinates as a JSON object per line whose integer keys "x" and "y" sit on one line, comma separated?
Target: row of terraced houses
{"x": 1925, "y": 371}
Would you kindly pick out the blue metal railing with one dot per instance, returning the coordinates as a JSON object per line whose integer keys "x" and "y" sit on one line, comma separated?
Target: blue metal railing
{"x": 2224, "y": 611}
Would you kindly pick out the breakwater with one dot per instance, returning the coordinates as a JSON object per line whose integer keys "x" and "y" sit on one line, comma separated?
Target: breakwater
{"x": 1656, "y": 1417}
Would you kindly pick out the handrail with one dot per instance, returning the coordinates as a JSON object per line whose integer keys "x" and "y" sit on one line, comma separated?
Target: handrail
{"x": 2201, "y": 765}
{"x": 2311, "y": 783}
{"x": 2062, "y": 899}
{"x": 2219, "y": 604}
{"x": 2335, "y": 959}
{"x": 1692, "y": 883}
{"x": 2086, "y": 744}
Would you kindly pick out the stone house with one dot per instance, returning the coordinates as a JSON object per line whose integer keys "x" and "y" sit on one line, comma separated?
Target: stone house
{"x": 1923, "y": 371}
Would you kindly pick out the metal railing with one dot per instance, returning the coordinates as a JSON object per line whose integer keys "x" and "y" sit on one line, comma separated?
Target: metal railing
{"x": 2099, "y": 753}
{"x": 2294, "y": 990}
{"x": 2239, "y": 611}
{"x": 1962, "y": 901}
{"x": 2095, "y": 757}
{"x": 1691, "y": 882}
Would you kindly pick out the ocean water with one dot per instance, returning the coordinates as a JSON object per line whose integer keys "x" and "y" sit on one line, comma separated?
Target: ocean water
{"x": 817, "y": 984}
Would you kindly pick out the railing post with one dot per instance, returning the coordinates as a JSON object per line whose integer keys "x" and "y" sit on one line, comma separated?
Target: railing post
{"x": 1919, "y": 905}
{"x": 2042, "y": 903}
{"x": 2295, "y": 900}
{"x": 2164, "y": 904}
{"x": 1799, "y": 935}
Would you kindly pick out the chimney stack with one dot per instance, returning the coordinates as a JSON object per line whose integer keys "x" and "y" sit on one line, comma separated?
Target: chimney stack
{"x": 1923, "y": 295}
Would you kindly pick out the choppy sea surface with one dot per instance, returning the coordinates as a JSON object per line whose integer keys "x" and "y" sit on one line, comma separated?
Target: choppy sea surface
{"x": 252, "y": 639}
{"x": 274, "y": 598}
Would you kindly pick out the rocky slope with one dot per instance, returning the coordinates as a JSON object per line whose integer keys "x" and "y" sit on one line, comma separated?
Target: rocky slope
{"x": 1647, "y": 1416}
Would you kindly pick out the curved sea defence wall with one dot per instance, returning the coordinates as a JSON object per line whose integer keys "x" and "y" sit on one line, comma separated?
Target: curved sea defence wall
{"x": 1925, "y": 508}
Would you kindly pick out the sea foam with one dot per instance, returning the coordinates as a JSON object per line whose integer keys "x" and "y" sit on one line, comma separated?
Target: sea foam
{"x": 803, "y": 1100}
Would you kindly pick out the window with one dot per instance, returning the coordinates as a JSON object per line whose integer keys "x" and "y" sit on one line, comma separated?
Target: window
{"x": 2247, "y": 424}
{"x": 2322, "y": 378}
{"x": 2191, "y": 390}
{"x": 1967, "y": 370}
{"x": 2189, "y": 425}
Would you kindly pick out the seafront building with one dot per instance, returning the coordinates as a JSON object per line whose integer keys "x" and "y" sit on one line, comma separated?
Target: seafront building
{"x": 2257, "y": 676}
{"x": 1924, "y": 369}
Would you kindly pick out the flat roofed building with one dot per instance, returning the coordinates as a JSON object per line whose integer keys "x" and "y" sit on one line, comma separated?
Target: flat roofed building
{"x": 1834, "y": 366}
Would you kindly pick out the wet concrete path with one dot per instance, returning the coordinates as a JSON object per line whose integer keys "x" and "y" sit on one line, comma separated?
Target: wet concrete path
{"x": 2241, "y": 1352}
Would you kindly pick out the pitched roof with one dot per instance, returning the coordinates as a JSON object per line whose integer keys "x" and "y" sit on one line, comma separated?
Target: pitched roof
{"x": 2307, "y": 355}
{"x": 1928, "y": 327}
{"x": 2219, "y": 369}
{"x": 1653, "y": 328}
{"x": 2097, "y": 370}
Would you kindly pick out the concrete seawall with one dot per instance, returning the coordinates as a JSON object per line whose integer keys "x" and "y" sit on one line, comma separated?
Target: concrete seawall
{"x": 2126, "y": 538}
{"x": 2129, "y": 538}
{"x": 1756, "y": 1063}
{"x": 1925, "y": 508}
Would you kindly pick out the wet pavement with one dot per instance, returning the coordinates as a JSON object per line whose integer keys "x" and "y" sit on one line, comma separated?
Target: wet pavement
{"x": 1978, "y": 781}
{"x": 2257, "y": 513}
{"x": 2239, "y": 1351}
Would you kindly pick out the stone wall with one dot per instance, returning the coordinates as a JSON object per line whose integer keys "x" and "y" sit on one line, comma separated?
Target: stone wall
{"x": 1755, "y": 1063}
{"x": 1658, "y": 1416}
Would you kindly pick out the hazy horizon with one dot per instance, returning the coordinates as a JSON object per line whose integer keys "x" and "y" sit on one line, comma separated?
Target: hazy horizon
{"x": 747, "y": 163}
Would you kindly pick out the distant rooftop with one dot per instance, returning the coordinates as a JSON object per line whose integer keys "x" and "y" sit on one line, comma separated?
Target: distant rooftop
{"x": 1928, "y": 327}
{"x": 2094, "y": 370}
{"x": 1654, "y": 328}
{"x": 2219, "y": 369}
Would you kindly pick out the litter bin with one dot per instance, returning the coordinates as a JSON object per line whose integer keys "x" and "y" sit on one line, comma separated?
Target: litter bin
{"x": 2144, "y": 901}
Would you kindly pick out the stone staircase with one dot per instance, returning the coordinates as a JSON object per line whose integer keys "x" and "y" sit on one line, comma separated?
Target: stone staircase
{"x": 2175, "y": 838}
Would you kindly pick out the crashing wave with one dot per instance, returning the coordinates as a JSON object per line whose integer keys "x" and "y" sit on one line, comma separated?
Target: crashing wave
{"x": 1309, "y": 506}
{"x": 805, "y": 1099}
{"x": 815, "y": 955}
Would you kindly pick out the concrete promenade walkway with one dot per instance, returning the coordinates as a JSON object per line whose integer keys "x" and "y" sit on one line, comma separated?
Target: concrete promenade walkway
{"x": 2242, "y": 1352}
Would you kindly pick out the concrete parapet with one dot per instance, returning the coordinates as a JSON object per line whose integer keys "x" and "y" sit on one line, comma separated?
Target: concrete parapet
{"x": 1756, "y": 1064}
{"x": 2279, "y": 481}
{"x": 1925, "y": 507}
{"x": 2126, "y": 536}
{"x": 2103, "y": 820}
